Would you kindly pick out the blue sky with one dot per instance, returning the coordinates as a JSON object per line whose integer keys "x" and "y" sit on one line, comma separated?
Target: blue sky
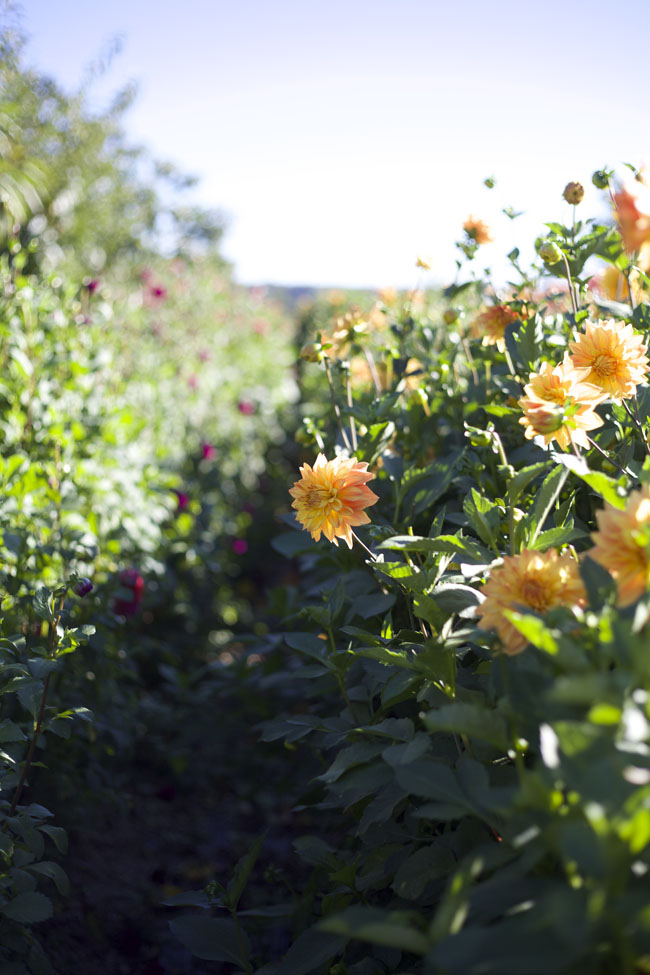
{"x": 344, "y": 138}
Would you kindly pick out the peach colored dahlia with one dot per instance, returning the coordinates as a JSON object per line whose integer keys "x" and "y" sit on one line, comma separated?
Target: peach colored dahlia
{"x": 558, "y": 405}
{"x": 614, "y": 355}
{"x": 531, "y": 580}
{"x": 491, "y": 325}
{"x": 622, "y": 545}
{"x": 330, "y": 497}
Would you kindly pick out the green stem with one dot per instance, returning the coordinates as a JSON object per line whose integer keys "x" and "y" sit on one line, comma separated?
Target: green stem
{"x": 570, "y": 283}
{"x": 511, "y": 510}
{"x": 363, "y": 545}
{"x": 335, "y": 405}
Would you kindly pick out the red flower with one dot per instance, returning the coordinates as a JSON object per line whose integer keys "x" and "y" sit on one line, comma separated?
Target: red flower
{"x": 132, "y": 580}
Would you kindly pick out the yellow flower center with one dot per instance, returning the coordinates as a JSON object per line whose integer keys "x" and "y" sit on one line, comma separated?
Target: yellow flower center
{"x": 535, "y": 594}
{"x": 321, "y": 497}
{"x": 604, "y": 365}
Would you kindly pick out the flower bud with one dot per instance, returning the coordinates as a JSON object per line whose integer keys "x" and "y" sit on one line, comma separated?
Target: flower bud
{"x": 449, "y": 316}
{"x": 546, "y": 419}
{"x": 600, "y": 179}
{"x": 312, "y": 352}
{"x": 83, "y": 586}
{"x": 573, "y": 193}
{"x": 550, "y": 253}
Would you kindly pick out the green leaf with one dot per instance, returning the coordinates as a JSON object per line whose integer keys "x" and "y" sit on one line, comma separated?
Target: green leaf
{"x": 469, "y": 719}
{"x": 522, "y": 479}
{"x": 534, "y": 629}
{"x": 484, "y": 516}
{"x": 58, "y": 836}
{"x": 311, "y": 950}
{"x": 10, "y": 731}
{"x": 213, "y": 939}
{"x": 28, "y": 908}
{"x": 52, "y": 870}
{"x": 43, "y": 604}
{"x": 421, "y": 867}
{"x": 373, "y": 605}
{"x": 242, "y": 872}
{"x": 613, "y": 491}
{"x": 390, "y": 929}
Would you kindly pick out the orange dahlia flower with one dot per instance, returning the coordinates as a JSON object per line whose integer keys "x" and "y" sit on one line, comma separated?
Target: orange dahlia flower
{"x": 622, "y": 545}
{"x": 614, "y": 355}
{"x": 559, "y": 405}
{"x": 330, "y": 497}
{"x": 531, "y": 580}
{"x": 491, "y": 325}
{"x": 477, "y": 230}
{"x": 632, "y": 215}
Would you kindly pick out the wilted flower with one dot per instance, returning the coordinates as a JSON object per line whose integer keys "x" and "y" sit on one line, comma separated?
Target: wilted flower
{"x": 614, "y": 355}
{"x": 574, "y": 193}
{"x": 83, "y": 586}
{"x": 559, "y": 405}
{"x": 477, "y": 230}
{"x": 536, "y": 581}
{"x": 331, "y": 496}
{"x": 622, "y": 544}
{"x": 491, "y": 325}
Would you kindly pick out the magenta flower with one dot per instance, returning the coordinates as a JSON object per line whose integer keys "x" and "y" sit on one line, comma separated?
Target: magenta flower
{"x": 208, "y": 451}
{"x": 245, "y": 407}
{"x": 92, "y": 285}
{"x": 240, "y": 546}
{"x": 83, "y": 586}
{"x": 182, "y": 499}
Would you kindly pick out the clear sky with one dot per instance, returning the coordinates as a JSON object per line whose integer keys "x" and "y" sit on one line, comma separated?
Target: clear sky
{"x": 345, "y": 138}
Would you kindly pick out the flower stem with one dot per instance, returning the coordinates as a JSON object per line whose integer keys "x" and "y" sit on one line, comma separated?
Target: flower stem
{"x": 353, "y": 428}
{"x": 335, "y": 405}
{"x": 570, "y": 283}
{"x": 363, "y": 545}
{"x": 636, "y": 420}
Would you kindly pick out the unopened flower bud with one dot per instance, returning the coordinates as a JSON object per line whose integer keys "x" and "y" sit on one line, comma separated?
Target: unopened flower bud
{"x": 449, "y": 316}
{"x": 311, "y": 352}
{"x": 600, "y": 179}
{"x": 83, "y": 586}
{"x": 550, "y": 253}
{"x": 573, "y": 193}
{"x": 546, "y": 419}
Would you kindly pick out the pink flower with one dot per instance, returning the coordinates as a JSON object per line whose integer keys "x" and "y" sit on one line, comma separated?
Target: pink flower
{"x": 92, "y": 285}
{"x": 245, "y": 407}
{"x": 183, "y": 500}
{"x": 193, "y": 381}
{"x": 208, "y": 451}
{"x": 261, "y": 326}
{"x": 240, "y": 546}
{"x": 204, "y": 355}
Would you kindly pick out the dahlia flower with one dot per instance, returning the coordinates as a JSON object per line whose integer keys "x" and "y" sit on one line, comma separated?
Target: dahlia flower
{"x": 614, "y": 355}
{"x": 491, "y": 325}
{"x": 632, "y": 215}
{"x": 477, "y": 230}
{"x": 622, "y": 545}
{"x": 559, "y": 405}
{"x": 330, "y": 497}
{"x": 537, "y": 581}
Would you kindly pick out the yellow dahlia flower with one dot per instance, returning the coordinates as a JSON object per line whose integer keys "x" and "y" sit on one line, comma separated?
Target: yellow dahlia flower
{"x": 491, "y": 325}
{"x": 536, "y": 581}
{"x": 330, "y": 497}
{"x": 622, "y": 545}
{"x": 558, "y": 405}
{"x": 614, "y": 355}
